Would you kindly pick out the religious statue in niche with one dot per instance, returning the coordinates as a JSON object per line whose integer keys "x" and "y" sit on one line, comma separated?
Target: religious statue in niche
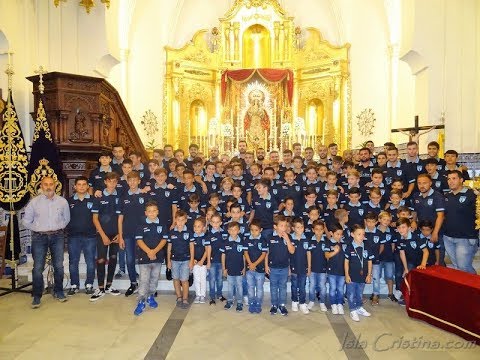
{"x": 80, "y": 128}
{"x": 256, "y": 121}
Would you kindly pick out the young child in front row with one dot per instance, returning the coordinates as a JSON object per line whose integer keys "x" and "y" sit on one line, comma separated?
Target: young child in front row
{"x": 217, "y": 238}
{"x": 300, "y": 266}
{"x": 200, "y": 259}
{"x": 335, "y": 255}
{"x": 151, "y": 238}
{"x": 276, "y": 264}
{"x": 178, "y": 257}
{"x": 413, "y": 250}
{"x": 387, "y": 264}
{"x": 233, "y": 264}
{"x": 318, "y": 275}
{"x": 358, "y": 271}
{"x": 426, "y": 228}
{"x": 255, "y": 251}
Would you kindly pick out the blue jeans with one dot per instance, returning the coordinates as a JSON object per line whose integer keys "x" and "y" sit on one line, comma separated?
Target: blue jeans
{"x": 41, "y": 243}
{"x": 121, "y": 260}
{"x": 461, "y": 252}
{"x": 255, "y": 282}
{"x": 354, "y": 295}
{"x": 215, "y": 280}
{"x": 336, "y": 284}
{"x": 442, "y": 249}
{"x": 130, "y": 244}
{"x": 278, "y": 286}
{"x": 88, "y": 245}
{"x": 235, "y": 286}
{"x": 398, "y": 270}
{"x": 318, "y": 282}
{"x": 298, "y": 282}
{"x": 387, "y": 267}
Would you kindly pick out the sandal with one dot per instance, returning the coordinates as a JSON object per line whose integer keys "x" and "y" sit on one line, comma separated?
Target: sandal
{"x": 185, "y": 304}
{"x": 179, "y": 301}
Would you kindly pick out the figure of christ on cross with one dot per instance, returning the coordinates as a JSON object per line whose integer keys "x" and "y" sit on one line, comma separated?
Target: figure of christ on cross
{"x": 415, "y": 132}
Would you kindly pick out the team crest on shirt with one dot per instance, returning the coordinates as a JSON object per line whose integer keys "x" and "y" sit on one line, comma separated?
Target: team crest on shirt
{"x": 239, "y": 248}
{"x": 324, "y": 247}
{"x": 376, "y": 239}
{"x": 268, "y": 204}
{"x": 419, "y": 168}
{"x": 388, "y": 237}
{"x": 317, "y": 189}
{"x": 430, "y": 202}
{"x": 214, "y": 186}
{"x": 259, "y": 245}
{"x": 365, "y": 254}
{"x": 116, "y": 200}
{"x": 159, "y": 229}
{"x": 344, "y": 247}
{"x": 275, "y": 191}
{"x": 430, "y": 244}
{"x": 297, "y": 188}
{"x": 382, "y": 191}
{"x": 438, "y": 184}
{"x": 284, "y": 242}
{"x": 462, "y": 199}
{"x": 141, "y": 200}
{"x": 89, "y": 205}
{"x": 360, "y": 212}
{"x": 388, "y": 180}
{"x": 305, "y": 246}
{"x": 399, "y": 172}
{"x": 167, "y": 193}
{"x": 413, "y": 244}
{"x": 186, "y": 236}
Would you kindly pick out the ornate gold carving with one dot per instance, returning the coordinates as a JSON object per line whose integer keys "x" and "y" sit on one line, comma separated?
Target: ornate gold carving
{"x": 315, "y": 71}
{"x": 198, "y": 56}
{"x": 196, "y": 72}
{"x": 41, "y": 123}
{"x": 43, "y": 170}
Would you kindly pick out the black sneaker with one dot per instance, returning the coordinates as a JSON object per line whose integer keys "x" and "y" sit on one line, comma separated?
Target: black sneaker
{"x": 228, "y": 305}
{"x": 89, "y": 289}
{"x": 371, "y": 297}
{"x": 283, "y": 310}
{"x": 111, "y": 290}
{"x": 73, "y": 290}
{"x": 392, "y": 297}
{"x": 221, "y": 298}
{"x": 97, "y": 294}
{"x": 239, "y": 308}
{"x": 133, "y": 289}
{"x": 120, "y": 274}
{"x": 273, "y": 310}
{"x": 212, "y": 302}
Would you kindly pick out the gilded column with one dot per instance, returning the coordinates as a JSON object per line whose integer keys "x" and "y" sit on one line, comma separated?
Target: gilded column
{"x": 236, "y": 39}
{"x": 276, "y": 31}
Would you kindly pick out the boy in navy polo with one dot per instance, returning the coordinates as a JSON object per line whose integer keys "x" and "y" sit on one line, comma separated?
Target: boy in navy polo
{"x": 97, "y": 176}
{"x": 255, "y": 251}
{"x": 81, "y": 236}
{"x": 151, "y": 238}
{"x": 178, "y": 257}
{"x": 413, "y": 250}
{"x": 387, "y": 263}
{"x": 356, "y": 211}
{"x": 292, "y": 189}
{"x": 189, "y": 187}
{"x": 358, "y": 271}
{"x": 276, "y": 264}
{"x": 165, "y": 197}
{"x": 200, "y": 248}
{"x": 334, "y": 253}
{"x": 217, "y": 238}
{"x": 132, "y": 206}
{"x": 425, "y": 233}
{"x": 105, "y": 218}
{"x": 374, "y": 203}
{"x": 300, "y": 266}
{"x": 372, "y": 239}
{"x": 264, "y": 207}
{"x": 233, "y": 264}
{"x": 194, "y": 211}
{"x": 328, "y": 213}
{"x": 125, "y": 169}
{"x": 318, "y": 275}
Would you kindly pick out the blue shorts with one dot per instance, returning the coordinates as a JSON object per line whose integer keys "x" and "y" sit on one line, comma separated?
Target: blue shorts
{"x": 180, "y": 270}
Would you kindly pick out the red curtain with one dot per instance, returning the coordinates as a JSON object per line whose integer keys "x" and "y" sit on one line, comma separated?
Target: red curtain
{"x": 271, "y": 75}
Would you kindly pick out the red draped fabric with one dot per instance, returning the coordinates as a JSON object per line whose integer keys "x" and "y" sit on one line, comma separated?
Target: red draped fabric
{"x": 271, "y": 75}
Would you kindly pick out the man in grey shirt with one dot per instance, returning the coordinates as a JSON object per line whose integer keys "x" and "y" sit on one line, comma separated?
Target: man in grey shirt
{"x": 47, "y": 215}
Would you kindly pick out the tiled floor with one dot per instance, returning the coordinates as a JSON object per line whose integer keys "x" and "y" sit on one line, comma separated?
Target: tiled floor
{"x": 108, "y": 329}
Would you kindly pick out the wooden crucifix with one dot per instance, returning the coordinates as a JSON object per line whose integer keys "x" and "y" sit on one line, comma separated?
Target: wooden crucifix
{"x": 415, "y": 132}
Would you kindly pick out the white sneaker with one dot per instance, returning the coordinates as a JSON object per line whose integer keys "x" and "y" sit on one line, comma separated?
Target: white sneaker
{"x": 112, "y": 291}
{"x": 334, "y": 309}
{"x": 323, "y": 307}
{"x": 340, "y": 309}
{"x": 97, "y": 294}
{"x": 304, "y": 309}
{"x": 310, "y": 305}
{"x": 202, "y": 299}
{"x": 354, "y": 316}
{"x": 245, "y": 300}
{"x": 197, "y": 300}
{"x": 294, "y": 306}
{"x": 363, "y": 312}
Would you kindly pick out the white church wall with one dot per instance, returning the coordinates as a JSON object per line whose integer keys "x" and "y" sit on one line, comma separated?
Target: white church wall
{"x": 405, "y": 101}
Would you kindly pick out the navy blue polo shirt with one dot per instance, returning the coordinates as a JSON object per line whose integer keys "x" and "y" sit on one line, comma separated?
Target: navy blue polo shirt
{"x": 432, "y": 247}
{"x": 384, "y": 191}
{"x": 356, "y": 213}
{"x": 192, "y": 215}
{"x": 387, "y": 239}
{"x": 213, "y": 185}
{"x": 317, "y": 251}
{"x": 217, "y": 238}
{"x": 151, "y": 233}
{"x": 244, "y": 229}
{"x": 416, "y": 167}
{"x": 328, "y": 216}
{"x": 242, "y": 201}
{"x": 439, "y": 183}
{"x": 117, "y": 167}
{"x": 298, "y": 260}
{"x": 132, "y": 207}
{"x": 294, "y": 191}
{"x": 427, "y": 207}
{"x": 108, "y": 208}
{"x": 460, "y": 214}
{"x": 255, "y": 248}
{"x": 244, "y": 182}
{"x": 183, "y": 194}
{"x": 335, "y": 265}
{"x": 317, "y": 185}
{"x": 399, "y": 171}
{"x": 200, "y": 242}
{"x": 233, "y": 251}
{"x": 370, "y": 207}
{"x": 81, "y": 223}
{"x": 97, "y": 178}
{"x": 372, "y": 240}
{"x": 180, "y": 241}
{"x": 358, "y": 257}
{"x": 278, "y": 255}
{"x": 122, "y": 187}
{"x": 304, "y": 212}
{"x": 143, "y": 172}
{"x": 413, "y": 247}
{"x": 165, "y": 198}
{"x": 445, "y": 171}
{"x": 265, "y": 208}
{"x": 365, "y": 172}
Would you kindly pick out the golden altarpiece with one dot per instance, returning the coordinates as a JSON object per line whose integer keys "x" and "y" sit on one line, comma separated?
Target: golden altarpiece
{"x": 225, "y": 85}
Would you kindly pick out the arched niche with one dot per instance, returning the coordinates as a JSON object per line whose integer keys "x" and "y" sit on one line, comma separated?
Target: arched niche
{"x": 314, "y": 115}
{"x": 198, "y": 118}
{"x": 256, "y": 47}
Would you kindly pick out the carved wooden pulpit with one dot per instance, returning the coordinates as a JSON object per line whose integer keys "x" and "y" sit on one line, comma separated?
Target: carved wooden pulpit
{"x": 86, "y": 116}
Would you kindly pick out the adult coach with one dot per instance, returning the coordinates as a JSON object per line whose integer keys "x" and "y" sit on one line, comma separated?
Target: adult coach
{"x": 460, "y": 236}
{"x": 47, "y": 215}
